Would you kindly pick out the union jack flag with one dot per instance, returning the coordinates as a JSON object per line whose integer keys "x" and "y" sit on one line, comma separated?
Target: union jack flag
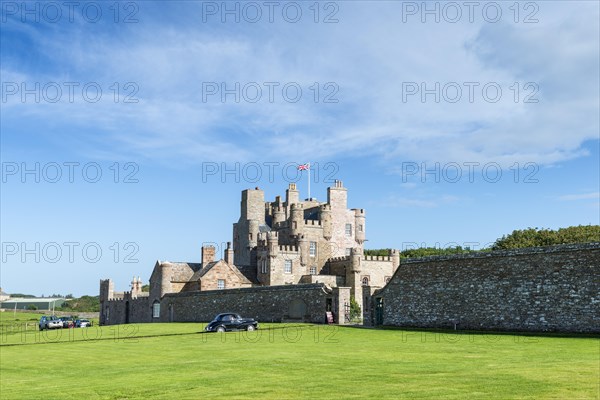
{"x": 303, "y": 167}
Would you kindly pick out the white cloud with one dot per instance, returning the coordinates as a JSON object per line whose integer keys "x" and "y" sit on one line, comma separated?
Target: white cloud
{"x": 369, "y": 54}
{"x": 582, "y": 196}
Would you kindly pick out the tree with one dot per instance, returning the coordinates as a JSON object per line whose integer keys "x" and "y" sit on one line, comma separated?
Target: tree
{"x": 355, "y": 312}
{"x": 32, "y": 307}
{"x": 534, "y": 237}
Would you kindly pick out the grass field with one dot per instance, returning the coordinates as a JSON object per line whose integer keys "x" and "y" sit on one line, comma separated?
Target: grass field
{"x": 178, "y": 361}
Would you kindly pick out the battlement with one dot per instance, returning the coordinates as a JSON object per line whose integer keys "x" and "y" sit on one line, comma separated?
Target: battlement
{"x": 288, "y": 248}
{"x": 359, "y": 212}
{"x": 378, "y": 258}
{"x": 338, "y": 184}
{"x": 312, "y": 222}
{"x": 296, "y": 206}
{"x": 338, "y": 259}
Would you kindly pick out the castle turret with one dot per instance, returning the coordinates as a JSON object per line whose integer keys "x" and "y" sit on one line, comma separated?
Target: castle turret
{"x": 325, "y": 217}
{"x": 297, "y": 219}
{"x": 353, "y": 276}
{"x": 107, "y": 289}
{"x": 359, "y": 225}
{"x": 278, "y": 214}
{"x": 253, "y": 205}
{"x": 273, "y": 244}
{"x": 136, "y": 287}
{"x": 252, "y": 233}
{"x": 303, "y": 245}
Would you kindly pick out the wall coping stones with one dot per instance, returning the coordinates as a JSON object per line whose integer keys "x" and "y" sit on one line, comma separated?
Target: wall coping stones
{"x": 505, "y": 253}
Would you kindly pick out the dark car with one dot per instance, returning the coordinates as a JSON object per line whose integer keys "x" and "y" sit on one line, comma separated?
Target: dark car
{"x": 68, "y": 322}
{"x": 231, "y": 322}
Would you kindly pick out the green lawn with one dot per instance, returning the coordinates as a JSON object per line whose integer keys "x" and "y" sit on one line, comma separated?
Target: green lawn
{"x": 178, "y": 361}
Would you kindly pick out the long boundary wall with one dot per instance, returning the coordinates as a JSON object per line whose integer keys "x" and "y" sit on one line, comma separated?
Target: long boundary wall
{"x": 536, "y": 289}
{"x": 307, "y": 303}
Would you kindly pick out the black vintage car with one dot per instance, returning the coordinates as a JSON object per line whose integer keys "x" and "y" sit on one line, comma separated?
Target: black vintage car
{"x": 231, "y": 322}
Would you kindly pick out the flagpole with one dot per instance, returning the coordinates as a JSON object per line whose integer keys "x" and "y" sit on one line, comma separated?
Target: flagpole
{"x": 309, "y": 181}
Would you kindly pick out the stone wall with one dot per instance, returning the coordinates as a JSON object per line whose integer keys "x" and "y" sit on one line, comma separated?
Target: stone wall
{"x": 113, "y": 312}
{"x": 306, "y": 303}
{"x": 537, "y": 289}
{"x": 271, "y": 303}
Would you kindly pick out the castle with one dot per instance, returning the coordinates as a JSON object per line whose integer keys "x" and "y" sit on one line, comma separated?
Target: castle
{"x": 275, "y": 244}
{"x": 298, "y": 260}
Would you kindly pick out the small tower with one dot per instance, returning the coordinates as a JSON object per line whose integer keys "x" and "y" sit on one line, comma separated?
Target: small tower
{"x": 136, "y": 287}
{"x": 297, "y": 219}
{"x": 107, "y": 289}
{"x": 359, "y": 225}
{"x": 273, "y": 244}
{"x": 291, "y": 194}
{"x": 325, "y": 216}
{"x": 303, "y": 246}
{"x": 278, "y": 212}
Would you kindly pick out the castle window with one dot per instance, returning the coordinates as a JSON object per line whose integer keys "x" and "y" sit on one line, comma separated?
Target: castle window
{"x": 313, "y": 270}
{"x": 220, "y": 284}
{"x": 156, "y": 309}
{"x": 313, "y": 249}
{"x": 360, "y": 228}
{"x": 365, "y": 281}
{"x": 348, "y": 229}
{"x": 264, "y": 266}
{"x": 348, "y": 251}
{"x": 288, "y": 267}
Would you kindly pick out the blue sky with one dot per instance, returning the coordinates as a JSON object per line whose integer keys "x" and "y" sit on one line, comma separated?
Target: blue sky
{"x": 377, "y": 94}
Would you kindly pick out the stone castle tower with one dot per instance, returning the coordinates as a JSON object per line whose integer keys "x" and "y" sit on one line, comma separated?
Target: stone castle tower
{"x": 295, "y": 241}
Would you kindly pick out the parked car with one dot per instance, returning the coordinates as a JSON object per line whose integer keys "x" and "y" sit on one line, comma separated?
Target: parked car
{"x": 50, "y": 322}
{"x": 231, "y": 322}
{"x": 68, "y": 322}
{"x": 83, "y": 323}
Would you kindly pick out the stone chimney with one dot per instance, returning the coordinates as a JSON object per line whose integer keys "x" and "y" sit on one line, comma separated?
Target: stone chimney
{"x": 208, "y": 254}
{"x": 229, "y": 254}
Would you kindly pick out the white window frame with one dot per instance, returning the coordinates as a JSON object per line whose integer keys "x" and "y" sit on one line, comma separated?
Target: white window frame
{"x": 348, "y": 229}
{"x": 156, "y": 309}
{"x": 220, "y": 284}
{"x": 313, "y": 270}
{"x": 312, "y": 249}
{"x": 287, "y": 266}
{"x": 348, "y": 251}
